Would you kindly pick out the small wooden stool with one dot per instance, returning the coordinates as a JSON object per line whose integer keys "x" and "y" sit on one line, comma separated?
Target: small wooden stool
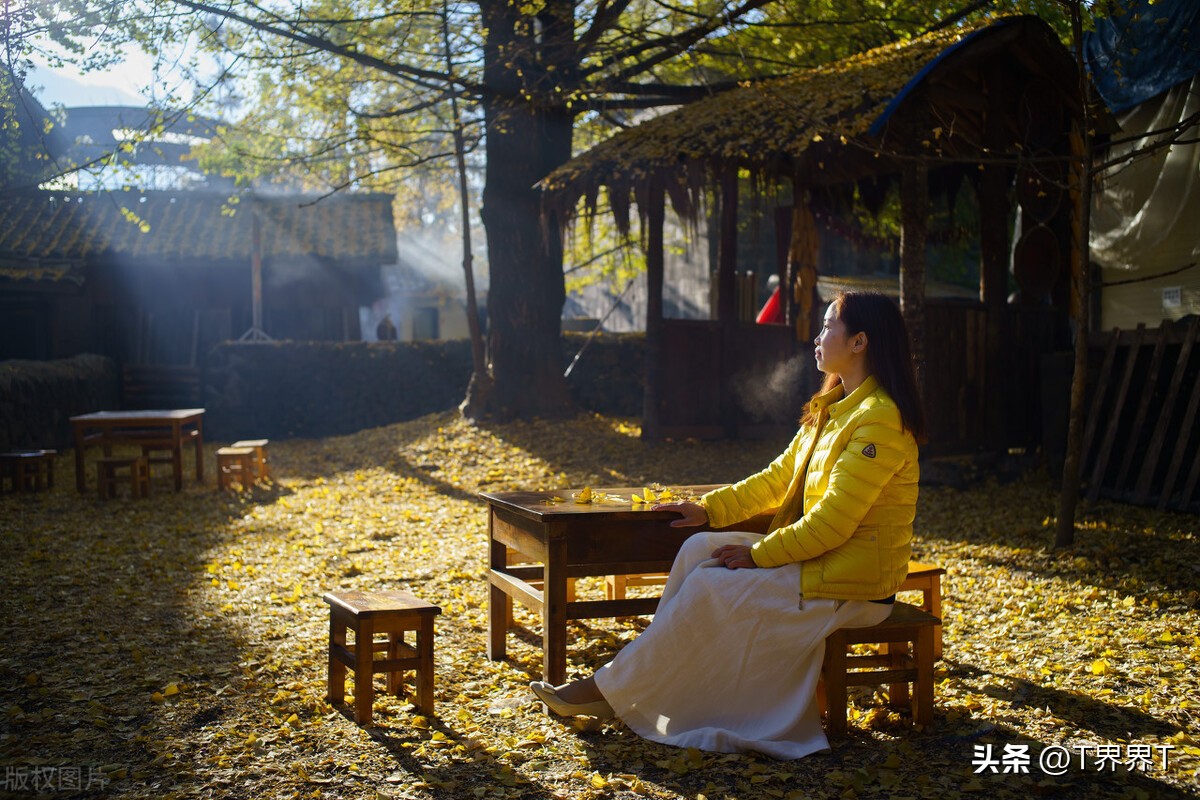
{"x": 262, "y": 470}
{"x": 369, "y": 613}
{"x": 110, "y": 470}
{"x": 927, "y": 579}
{"x": 906, "y": 656}
{"x": 235, "y": 463}
{"x": 28, "y": 470}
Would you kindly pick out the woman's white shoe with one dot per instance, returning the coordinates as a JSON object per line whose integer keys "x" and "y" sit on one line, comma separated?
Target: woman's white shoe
{"x": 547, "y": 694}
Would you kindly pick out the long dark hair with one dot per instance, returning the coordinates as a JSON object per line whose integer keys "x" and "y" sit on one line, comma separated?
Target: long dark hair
{"x": 889, "y": 354}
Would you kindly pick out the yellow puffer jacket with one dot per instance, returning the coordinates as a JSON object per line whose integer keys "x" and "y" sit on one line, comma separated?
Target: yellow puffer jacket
{"x": 850, "y": 523}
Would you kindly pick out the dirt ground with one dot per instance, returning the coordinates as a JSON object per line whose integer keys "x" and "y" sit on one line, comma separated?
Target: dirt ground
{"x": 176, "y": 646}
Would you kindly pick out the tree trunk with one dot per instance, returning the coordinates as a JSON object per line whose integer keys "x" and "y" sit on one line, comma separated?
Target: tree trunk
{"x": 528, "y": 135}
{"x": 1080, "y": 185}
{"x": 480, "y": 387}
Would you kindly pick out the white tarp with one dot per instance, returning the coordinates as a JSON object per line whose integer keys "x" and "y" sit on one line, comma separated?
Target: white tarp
{"x": 1146, "y": 213}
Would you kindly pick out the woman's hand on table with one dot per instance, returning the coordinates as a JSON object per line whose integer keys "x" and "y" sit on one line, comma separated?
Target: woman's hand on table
{"x": 693, "y": 513}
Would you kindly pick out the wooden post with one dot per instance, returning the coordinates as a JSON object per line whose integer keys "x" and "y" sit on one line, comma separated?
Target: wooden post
{"x": 727, "y": 253}
{"x": 994, "y": 207}
{"x": 914, "y": 216}
{"x": 726, "y": 300}
{"x": 652, "y": 388}
{"x": 802, "y": 259}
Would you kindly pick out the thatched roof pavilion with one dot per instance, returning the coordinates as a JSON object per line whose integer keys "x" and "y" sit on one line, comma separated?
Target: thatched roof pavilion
{"x": 995, "y": 101}
{"x": 832, "y": 124}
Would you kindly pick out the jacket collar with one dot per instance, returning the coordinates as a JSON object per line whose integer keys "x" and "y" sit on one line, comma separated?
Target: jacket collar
{"x": 839, "y": 404}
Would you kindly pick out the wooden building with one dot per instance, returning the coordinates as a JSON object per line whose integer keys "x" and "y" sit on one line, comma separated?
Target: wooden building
{"x": 156, "y": 278}
{"x": 993, "y": 105}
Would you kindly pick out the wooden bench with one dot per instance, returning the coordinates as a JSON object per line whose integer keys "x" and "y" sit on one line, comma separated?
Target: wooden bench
{"x": 368, "y": 613}
{"x": 27, "y": 470}
{"x": 905, "y": 656}
{"x": 113, "y": 470}
{"x": 235, "y": 464}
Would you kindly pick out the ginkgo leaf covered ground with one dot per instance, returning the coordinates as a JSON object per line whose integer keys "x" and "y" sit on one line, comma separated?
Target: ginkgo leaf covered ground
{"x": 175, "y": 646}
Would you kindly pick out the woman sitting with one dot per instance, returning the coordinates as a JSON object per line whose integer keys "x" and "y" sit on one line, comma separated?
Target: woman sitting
{"x": 732, "y": 658}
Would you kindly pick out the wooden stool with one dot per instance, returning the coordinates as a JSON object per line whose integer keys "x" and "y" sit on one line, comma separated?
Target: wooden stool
{"x": 927, "y": 579}
{"x": 262, "y": 471}
{"x": 369, "y": 613}
{"x": 28, "y": 470}
{"x": 906, "y": 656}
{"x": 235, "y": 463}
{"x": 110, "y": 470}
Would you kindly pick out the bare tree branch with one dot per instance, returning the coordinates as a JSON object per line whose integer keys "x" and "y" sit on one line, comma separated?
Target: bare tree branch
{"x": 671, "y": 45}
{"x": 606, "y": 16}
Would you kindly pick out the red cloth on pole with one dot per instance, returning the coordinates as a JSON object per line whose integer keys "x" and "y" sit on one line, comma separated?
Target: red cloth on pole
{"x": 772, "y": 310}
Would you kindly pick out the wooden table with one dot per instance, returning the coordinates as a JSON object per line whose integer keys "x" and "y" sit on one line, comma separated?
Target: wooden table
{"x": 572, "y": 540}
{"x": 160, "y": 429}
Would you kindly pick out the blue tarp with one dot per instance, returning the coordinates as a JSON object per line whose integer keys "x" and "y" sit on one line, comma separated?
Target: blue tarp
{"x": 1144, "y": 51}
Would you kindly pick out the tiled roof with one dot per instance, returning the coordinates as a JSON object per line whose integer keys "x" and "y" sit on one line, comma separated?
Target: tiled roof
{"x": 171, "y": 226}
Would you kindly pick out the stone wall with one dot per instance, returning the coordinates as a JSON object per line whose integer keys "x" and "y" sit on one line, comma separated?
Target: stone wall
{"x": 38, "y": 398}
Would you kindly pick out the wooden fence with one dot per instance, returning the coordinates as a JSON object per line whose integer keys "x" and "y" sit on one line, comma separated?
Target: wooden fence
{"x": 1141, "y": 443}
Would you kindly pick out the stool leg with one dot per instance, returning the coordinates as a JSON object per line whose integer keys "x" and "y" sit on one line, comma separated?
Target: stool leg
{"x": 897, "y": 692}
{"x": 834, "y": 675}
{"x": 394, "y": 677}
{"x": 337, "y": 670}
{"x": 933, "y": 604}
{"x": 425, "y": 670}
{"x": 364, "y": 683}
{"x": 923, "y": 686}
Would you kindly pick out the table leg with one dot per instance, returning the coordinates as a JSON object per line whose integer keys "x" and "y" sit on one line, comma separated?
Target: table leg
{"x": 177, "y": 455}
{"x": 499, "y": 603}
{"x": 554, "y": 613}
{"x": 199, "y": 451}
{"x": 80, "y": 478}
{"x": 425, "y": 671}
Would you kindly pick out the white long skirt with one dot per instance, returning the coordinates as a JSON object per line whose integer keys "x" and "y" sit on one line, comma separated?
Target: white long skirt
{"x": 731, "y": 660}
